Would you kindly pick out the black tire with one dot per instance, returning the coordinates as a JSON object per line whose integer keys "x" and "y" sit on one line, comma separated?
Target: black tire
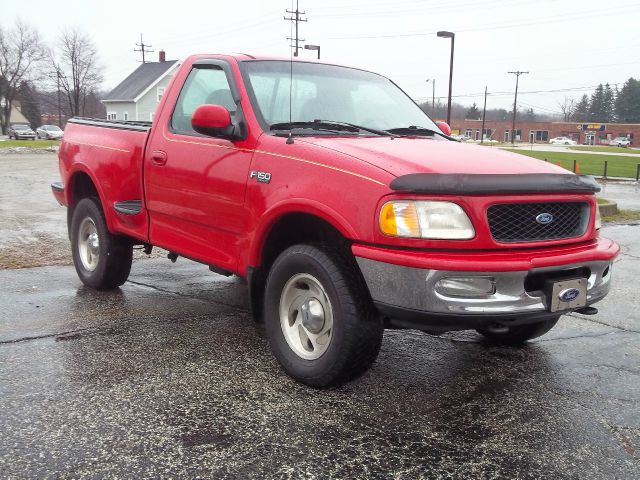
{"x": 519, "y": 334}
{"x": 112, "y": 255}
{"x": 357, "y": 329}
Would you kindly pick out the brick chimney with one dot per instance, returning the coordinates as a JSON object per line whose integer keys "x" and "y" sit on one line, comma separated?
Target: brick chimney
{"x": 162, "y": 55}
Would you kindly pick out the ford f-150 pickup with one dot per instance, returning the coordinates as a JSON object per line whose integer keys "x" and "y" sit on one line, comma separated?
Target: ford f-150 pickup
{"x": 343, "y": 205}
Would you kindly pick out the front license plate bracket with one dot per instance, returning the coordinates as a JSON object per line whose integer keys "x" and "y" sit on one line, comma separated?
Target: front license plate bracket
{"x": 567, "y": 294}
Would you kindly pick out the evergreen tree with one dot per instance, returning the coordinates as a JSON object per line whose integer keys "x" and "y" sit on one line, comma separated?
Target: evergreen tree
{"x": 581, "y": 112}
{"x": 473, "y": 113}
{"x": 608, "y": 105}
{"x": 628, "y": 102}
{"x": 597, "y": 105}
{"x": 29, "y": 107}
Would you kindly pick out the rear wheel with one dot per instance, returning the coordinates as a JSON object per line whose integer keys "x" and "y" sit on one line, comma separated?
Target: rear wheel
{"x": 102, "y": 260}
{"x": 517, "y": 334}
{"x": 319, "y": 319}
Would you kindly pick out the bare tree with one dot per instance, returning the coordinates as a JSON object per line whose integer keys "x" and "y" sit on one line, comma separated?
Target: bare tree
{"x": 75, "y": 68}
{"x": 21, "y": 52}
{"x": 568, "y": 108}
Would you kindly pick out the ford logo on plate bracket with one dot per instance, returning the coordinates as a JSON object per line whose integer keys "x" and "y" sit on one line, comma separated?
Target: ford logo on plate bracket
{"x": 569, "y": 295}
{"x": 544, "y": 218}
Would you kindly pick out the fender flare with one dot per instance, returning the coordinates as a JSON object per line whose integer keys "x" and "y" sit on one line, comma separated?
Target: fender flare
{"x": 297, "y": 205}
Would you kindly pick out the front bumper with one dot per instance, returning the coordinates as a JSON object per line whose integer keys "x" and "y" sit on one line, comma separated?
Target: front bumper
{"x": 404, "y": 289}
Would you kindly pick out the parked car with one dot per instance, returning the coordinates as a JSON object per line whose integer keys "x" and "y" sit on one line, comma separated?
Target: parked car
{"x": 620, "y": 142}
{"x": 562, "y": 141}
{"x": 346, "y": 214}
{"x": 49, "y": 132}
{"x": 21, "y": 131}
{"x": 462, "y": 138}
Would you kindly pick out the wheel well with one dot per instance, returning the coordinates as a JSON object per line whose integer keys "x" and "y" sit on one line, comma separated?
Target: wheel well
{"x": 298, "y": 228}
{"x": 289, "y": 230}
{"x": 81, "y": 187}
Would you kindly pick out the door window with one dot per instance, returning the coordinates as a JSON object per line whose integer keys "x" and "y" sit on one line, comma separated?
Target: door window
{"x": 203, "y": 86}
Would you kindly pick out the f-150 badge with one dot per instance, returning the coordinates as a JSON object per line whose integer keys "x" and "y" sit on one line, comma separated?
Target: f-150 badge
{"x": 262, "y": 177}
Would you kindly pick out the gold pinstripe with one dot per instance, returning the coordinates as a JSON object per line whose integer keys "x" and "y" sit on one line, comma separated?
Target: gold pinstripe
{"x": 98, "y": 146}
{"x": 279, "y": 155}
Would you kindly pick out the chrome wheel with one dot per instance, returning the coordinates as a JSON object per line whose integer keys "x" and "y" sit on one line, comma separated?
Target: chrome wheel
{"x": 306, "y": 317}
{"x": 88, "y": 244}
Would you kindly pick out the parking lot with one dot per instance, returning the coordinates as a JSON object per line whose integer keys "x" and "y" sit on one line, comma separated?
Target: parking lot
{"x": 170, "y": 377}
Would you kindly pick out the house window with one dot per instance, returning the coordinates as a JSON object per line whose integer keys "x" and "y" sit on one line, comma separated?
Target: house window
{"x": 126, "y": 116}
{"x": 112, "y": 116}
{"x": 160, "y": 93}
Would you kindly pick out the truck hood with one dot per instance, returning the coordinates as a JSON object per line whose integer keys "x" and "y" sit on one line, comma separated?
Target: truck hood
{"x": 405, "y": 155}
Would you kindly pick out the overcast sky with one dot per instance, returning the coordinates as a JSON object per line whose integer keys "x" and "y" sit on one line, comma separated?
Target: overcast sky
{"x": 566, "y": 45}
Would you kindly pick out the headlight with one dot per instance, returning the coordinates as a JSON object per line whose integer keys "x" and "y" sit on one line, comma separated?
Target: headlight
{"x": 425, "y": 219}
{"x": 598, "y": 218}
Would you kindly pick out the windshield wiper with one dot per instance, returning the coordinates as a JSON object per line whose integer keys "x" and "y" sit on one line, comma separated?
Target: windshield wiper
{"x": 413, "y": 130}
{"x": 330, "y": 125}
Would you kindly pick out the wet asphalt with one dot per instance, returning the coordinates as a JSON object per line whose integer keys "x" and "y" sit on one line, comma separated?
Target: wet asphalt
{"x": 169, "y": 377}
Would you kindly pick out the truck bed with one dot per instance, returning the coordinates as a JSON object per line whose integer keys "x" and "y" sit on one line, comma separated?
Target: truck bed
{"x": 111, "y": 152}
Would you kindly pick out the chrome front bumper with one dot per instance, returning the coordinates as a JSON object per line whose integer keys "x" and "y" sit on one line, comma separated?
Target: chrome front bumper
{"x": 397, "y": 288}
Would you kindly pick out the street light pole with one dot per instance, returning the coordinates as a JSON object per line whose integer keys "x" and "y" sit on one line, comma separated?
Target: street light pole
{"x": 484, "y": 113}
{"x": 452, "y": 36}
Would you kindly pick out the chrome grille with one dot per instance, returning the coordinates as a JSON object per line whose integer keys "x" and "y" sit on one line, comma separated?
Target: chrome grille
{"x": 516, "y": 222}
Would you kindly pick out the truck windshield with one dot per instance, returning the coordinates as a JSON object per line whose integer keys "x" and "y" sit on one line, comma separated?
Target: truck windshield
{"x": 329, "y": 93}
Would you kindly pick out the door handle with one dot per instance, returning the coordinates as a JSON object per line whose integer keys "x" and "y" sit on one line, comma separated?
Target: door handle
{"x": 158, "y": 158}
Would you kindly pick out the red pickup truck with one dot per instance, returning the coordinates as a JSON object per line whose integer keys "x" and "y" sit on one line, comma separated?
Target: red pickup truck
{"x": 345, "y": 207}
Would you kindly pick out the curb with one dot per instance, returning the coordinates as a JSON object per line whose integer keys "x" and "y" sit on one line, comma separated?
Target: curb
{"x": 609, "y": 208}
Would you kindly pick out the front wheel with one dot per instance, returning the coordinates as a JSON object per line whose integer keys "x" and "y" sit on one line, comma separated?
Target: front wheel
{"x": 319, "y": 318}
{"x": 517, "y": 334}
{"x": 102, "y": 260}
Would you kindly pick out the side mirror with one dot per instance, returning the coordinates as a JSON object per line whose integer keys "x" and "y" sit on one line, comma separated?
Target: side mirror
{"x": 213, "y": 121}
{"x": 444, "y": 127}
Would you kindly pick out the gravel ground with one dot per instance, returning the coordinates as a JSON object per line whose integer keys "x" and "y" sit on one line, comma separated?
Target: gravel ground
{"x": 33, "y": 227}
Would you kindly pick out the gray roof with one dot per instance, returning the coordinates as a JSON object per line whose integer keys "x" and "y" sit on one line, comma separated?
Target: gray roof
{"x": 138, "y": 81}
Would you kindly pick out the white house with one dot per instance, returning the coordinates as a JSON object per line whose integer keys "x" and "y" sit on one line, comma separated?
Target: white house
{"x": 138, "y": 95}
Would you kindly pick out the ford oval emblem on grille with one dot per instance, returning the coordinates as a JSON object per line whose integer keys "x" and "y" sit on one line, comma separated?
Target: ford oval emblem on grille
{"x": 544, "y": 218}
{"x": 569, "y": 294}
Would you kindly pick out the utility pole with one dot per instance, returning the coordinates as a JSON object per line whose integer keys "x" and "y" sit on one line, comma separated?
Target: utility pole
{"x": 484, "y": 113}
{"x": 515, "y": 105}
{"x": 297, "y": 19}
{"x": 59, "y": 105}
{"x": 433, "y": 95}
{"x": 144, "y": 48}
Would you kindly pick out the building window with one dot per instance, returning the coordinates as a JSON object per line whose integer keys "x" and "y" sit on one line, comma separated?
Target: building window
{"x": 126, "y": 116}
{"x": 468, "y": 132}
{"x": 541, "y": 135}
{"x": 487, "y": 133}
{"x": 160, "y": 93}
{"x": 112, "y": 116}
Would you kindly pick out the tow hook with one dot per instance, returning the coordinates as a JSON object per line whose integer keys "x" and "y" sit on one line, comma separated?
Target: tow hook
{"x": 587, "y": 311}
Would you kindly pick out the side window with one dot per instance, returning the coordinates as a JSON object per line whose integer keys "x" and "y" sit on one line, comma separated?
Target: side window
{"x": 203, "y": 86}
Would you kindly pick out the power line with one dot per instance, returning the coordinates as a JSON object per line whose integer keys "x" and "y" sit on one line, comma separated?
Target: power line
{"x": 297, "y": 19}
{"x": 144, "y": 48}
{"x": 493, "y": 26}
